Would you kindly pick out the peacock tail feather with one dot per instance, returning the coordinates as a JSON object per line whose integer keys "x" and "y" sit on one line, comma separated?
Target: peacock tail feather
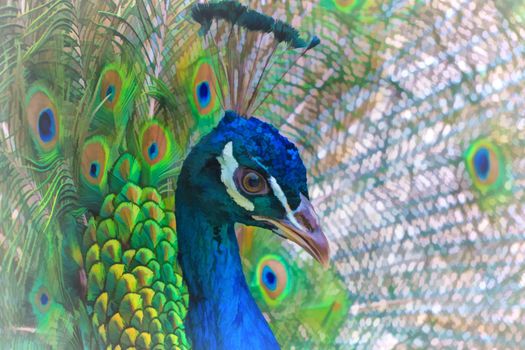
{"x": 306, "y": 304}
{"x": 408, "y": 116}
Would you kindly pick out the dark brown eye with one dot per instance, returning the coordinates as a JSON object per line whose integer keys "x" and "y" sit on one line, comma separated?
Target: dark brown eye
{"x": 251, "y": 181}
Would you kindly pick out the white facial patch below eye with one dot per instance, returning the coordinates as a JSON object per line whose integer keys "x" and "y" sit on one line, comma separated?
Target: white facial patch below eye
{"x": 284, "y": 201}
{"x": 228, "y": 166}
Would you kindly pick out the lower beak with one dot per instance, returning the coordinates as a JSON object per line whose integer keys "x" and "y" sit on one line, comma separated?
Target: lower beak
{"x": 302, "y": 227}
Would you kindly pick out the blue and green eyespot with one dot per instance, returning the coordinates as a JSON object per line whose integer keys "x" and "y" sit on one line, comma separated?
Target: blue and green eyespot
{"x": 273, "y": 279}
{"x": 204, "y": 89}
{"x": 111, "y": 86}
{"x": 43, "y": 119}
{"x": 154, "y": 143}
{"x": 94, "y": 159}
{"x": 486, "y": 165}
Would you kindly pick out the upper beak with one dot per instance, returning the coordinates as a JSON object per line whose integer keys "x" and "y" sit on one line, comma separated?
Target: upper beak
{"x": 302, "y": 227}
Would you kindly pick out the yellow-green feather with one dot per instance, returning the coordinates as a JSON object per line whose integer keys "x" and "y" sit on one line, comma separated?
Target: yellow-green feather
{"x": 133, "y": 253}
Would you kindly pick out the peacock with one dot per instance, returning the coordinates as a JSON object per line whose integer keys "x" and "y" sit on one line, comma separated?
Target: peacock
{"x": 138, "y": 216}
{"x": 135, "y": 133}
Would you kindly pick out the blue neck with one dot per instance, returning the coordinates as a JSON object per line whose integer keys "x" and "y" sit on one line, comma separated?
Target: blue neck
{"x": 222, "y": 313}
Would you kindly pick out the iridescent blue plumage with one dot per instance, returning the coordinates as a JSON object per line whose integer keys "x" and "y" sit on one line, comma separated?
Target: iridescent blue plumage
{"x": 222, "y": 313}
{"x": 263, "y": 143}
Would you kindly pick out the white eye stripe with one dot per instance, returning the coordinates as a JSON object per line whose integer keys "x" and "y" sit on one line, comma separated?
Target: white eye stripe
{"x": 228, "y": 166}
{"x": 284, "y": 201}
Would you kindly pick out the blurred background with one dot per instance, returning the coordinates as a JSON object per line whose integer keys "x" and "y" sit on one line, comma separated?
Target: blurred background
{"x": 410, "y": 115}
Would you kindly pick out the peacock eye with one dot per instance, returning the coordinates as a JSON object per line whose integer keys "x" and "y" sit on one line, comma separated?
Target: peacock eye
{"x": 251, "y": 181}
{"x": 273, "y": 278}
{"x": 42, "y": 299}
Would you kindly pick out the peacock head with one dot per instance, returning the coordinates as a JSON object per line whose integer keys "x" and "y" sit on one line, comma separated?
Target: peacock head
{"x": 251, "y": 174}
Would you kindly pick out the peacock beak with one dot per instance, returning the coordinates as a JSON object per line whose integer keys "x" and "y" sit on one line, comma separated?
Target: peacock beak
{"x": 302, "y": 227}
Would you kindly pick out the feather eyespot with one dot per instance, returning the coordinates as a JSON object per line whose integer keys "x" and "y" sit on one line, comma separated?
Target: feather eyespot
{"x": 42, "y": 299}
{"x": 111, "y": 86}
{"x": 273, "y": 278}
{"x": 154, "y": 143}
{"x": 486, "y": 165}
{"x": 94, "y": 160}
{"x": 204, "y": 92}
{"x": 43, "y": 119}
{"x": 250, "y": 181}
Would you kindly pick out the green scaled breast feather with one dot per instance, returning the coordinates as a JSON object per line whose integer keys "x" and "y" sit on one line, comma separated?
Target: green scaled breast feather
{"x": 135, "y": 291}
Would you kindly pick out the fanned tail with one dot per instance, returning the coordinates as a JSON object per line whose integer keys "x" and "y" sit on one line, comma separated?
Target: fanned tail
{"x": 414, "y": 136}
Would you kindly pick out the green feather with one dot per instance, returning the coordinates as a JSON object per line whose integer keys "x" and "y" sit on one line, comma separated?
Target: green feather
{"x": 159, "y": 154}
{"x": 303, "y": 296}
{"x": 114, "y": 99}
{"x": 130, "y": 283}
